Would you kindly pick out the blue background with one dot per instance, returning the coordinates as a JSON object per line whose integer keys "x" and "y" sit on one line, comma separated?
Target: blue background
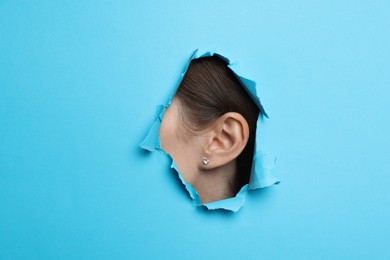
{"x": 79, "y": 83}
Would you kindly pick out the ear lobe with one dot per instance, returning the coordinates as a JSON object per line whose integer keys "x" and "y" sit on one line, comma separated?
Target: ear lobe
{"x": 230, "y": 136}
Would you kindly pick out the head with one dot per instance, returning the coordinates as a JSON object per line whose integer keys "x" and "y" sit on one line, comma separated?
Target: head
{"x": 213, "y": 117}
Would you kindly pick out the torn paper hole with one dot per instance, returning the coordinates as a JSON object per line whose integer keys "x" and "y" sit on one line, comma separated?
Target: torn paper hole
{"x": 205, "y": 154}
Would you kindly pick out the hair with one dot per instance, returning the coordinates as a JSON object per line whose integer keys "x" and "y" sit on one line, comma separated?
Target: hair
{"x": 209, "y": 90}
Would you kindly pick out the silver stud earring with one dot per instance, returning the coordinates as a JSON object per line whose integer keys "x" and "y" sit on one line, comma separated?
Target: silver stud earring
{"x": 205, "y": 160}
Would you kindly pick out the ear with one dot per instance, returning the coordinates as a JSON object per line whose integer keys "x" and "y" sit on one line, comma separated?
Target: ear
{"x": 228, "y": 137}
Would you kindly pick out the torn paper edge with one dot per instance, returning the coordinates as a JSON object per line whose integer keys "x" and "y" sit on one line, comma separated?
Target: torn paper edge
{"x": 262, "y": 165}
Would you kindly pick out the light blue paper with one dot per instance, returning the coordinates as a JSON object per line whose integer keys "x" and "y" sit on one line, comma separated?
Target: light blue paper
{"x": 152, "y": 140}
{"x": 263, "y": 163}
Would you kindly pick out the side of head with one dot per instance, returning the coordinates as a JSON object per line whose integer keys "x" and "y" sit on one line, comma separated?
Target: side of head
{"x": 211, "y": 116}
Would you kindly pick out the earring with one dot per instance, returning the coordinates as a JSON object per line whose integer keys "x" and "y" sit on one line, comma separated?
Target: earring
{"x": 205, "y": 160}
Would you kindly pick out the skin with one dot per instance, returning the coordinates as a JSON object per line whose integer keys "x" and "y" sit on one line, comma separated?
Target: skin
{"x": 221, "y": 143}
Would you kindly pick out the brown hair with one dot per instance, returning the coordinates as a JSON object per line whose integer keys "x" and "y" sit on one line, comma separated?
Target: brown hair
{"x": 209, "y": 90}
